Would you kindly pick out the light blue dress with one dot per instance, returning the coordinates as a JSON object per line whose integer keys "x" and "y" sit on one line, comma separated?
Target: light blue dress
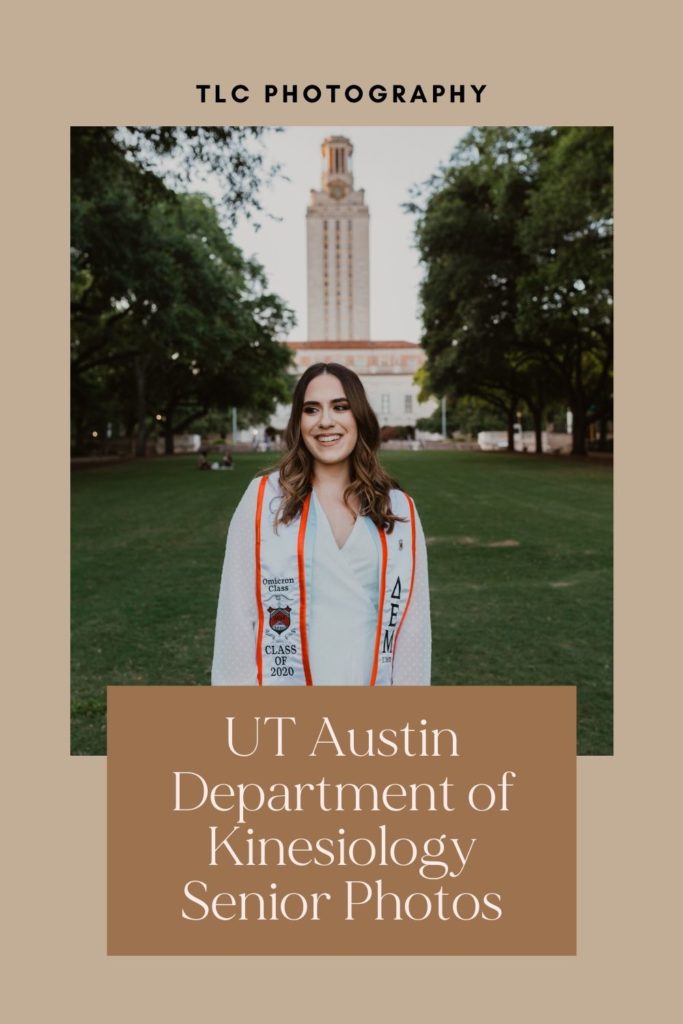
{"x": 344, "y": 584}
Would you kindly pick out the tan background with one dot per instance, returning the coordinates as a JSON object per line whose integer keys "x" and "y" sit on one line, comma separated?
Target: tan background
{"x": 588, "y": 62}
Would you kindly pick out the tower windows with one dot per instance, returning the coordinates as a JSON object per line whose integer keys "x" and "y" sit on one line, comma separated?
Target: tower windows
{"x": 339, "y": 274}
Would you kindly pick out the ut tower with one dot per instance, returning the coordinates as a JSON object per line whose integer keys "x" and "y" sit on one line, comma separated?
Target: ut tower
{"x": 337, "y": 222}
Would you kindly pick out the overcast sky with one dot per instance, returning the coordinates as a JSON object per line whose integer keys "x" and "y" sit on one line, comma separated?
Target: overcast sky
{"x": 386, "y": 162}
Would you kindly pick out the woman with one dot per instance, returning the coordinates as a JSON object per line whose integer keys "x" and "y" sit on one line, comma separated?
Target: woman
{"x": 325, "y": 574}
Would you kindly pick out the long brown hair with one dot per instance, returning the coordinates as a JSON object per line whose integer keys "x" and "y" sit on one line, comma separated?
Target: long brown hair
{"x": 369, "y": 485}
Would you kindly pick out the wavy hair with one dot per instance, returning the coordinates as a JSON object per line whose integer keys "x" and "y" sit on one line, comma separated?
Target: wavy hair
{"x": 369, "y": 484}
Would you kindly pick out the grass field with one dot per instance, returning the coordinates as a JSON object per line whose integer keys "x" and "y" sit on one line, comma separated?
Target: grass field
{"x": 520, "y": 560}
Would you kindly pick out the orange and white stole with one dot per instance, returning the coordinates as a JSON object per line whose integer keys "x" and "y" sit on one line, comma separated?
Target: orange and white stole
{"x": 282, "y": 567}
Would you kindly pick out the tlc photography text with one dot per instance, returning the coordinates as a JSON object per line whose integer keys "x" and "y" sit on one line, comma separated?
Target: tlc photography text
{"x": 337, "y": 93}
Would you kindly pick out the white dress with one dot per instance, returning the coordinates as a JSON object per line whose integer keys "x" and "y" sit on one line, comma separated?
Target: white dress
{"x": 343, "y": 606}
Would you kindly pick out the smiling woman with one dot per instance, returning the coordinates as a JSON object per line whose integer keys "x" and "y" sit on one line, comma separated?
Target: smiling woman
{"x": 325, "y": 574}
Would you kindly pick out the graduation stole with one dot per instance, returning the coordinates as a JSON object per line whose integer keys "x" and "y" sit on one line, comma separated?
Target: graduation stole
{"x": 282, "y": 569}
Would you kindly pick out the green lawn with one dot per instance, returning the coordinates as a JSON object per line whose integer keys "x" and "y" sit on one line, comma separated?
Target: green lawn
{"x": 520, "y": 556}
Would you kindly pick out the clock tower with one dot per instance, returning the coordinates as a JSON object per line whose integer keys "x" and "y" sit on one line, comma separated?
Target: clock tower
{"x": 338, "y": 255}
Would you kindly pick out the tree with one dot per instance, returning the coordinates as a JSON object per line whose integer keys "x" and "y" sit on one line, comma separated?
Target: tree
{"x": 169, "y": 319}
{"x": 468, "y": 239}
{"x": 505, "y": 250}
{"x": 566, "y": 294}
{"x": 177, "y": 157}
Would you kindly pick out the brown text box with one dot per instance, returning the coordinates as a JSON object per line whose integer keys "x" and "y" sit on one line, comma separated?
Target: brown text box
{"x": 442, "y": 820}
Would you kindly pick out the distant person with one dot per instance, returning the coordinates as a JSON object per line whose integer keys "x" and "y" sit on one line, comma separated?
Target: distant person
{"x": 225, "y": 463}
{"x": 325, "y": 574}
{"x": 203, "y": 461}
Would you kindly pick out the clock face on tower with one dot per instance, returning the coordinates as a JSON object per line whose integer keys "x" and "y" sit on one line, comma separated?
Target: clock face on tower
{"x": 337, "y": 190}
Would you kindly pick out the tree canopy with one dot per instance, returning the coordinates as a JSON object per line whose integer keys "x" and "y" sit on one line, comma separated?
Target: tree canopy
{"x": 515, "y": 235}
{"x": 169, "y": 319}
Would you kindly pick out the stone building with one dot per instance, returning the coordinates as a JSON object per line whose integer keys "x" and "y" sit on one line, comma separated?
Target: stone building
{"x": 386, "y": 368}
{"x": 338, "y": 293}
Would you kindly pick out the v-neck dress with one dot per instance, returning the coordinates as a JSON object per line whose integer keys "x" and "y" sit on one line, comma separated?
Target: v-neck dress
{"x": 344, "y": 589}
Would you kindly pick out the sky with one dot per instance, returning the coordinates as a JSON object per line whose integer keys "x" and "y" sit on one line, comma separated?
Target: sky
{"x": 387, "y": 161}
